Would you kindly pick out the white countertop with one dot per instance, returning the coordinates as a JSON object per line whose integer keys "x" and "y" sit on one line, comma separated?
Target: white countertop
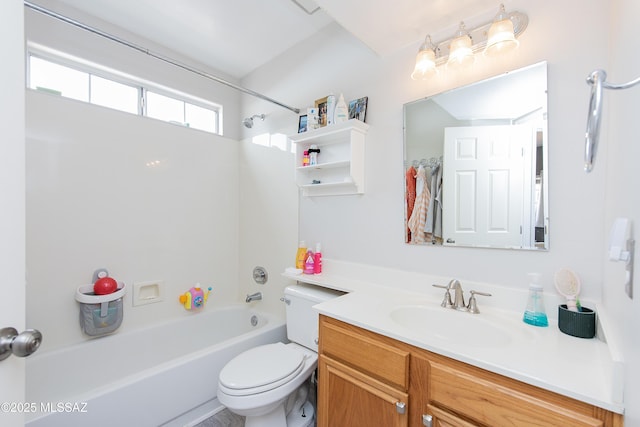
{"x": 588, "y": 370}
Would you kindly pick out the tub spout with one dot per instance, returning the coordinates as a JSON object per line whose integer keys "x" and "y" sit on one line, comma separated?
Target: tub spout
{"x": 254, "y": 297}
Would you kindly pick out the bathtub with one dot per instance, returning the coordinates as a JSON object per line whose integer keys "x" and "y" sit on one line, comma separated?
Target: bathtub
{"x": 145, "y": 377}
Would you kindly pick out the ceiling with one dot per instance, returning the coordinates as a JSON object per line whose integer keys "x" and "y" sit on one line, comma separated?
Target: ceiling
{"x": 238, "y": 36}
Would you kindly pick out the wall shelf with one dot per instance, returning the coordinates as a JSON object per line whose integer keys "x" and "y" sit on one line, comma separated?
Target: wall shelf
{"x": 340, "y": 170}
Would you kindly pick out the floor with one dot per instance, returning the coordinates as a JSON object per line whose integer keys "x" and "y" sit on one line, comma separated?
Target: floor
{"x": 224, "y": 418}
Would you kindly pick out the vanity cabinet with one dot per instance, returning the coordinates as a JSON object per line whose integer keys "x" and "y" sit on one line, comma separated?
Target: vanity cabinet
{"x": 364, "y": 382}
{"x": 340, "y": 163}
{"x": 364, "y": 375}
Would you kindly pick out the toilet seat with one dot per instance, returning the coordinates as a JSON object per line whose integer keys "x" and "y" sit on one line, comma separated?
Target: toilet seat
{"x": 261, "y": 369}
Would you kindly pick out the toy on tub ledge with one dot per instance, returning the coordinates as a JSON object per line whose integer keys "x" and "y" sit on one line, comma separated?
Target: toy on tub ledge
{"x": 194, "y": 298}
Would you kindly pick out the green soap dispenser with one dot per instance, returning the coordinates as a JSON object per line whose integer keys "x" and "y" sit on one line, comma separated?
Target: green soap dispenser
{"x": 535, "y": 314}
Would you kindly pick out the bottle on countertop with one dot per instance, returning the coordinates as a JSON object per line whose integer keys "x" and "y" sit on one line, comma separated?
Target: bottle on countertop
{"x": 308, "y": 262}
{"x": 317, "y": 260}
{"x": 535, "y": 313}
{"x": 301, "y": 254}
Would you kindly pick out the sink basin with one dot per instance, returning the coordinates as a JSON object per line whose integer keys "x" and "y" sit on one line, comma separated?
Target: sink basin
{"x": 474, "y": 330}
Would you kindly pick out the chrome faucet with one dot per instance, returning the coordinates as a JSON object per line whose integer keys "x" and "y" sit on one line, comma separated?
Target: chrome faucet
{"x": 254, "y": 297}
{"x": 458, "y": 297}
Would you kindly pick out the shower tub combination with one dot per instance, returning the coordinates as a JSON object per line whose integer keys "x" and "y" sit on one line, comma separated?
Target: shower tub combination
{"x": 146, "y": 377}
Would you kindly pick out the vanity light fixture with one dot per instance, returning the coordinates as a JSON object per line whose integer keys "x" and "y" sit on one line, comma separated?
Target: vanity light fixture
{"x": 461, "y": 52}
{"x": 425, "y": 61}
{"x": 495, "y": 37}
{"x": 501, "y": 36}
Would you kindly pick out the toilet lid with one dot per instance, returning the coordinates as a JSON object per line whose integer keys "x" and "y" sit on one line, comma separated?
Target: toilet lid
{"x": 261, "y": 365}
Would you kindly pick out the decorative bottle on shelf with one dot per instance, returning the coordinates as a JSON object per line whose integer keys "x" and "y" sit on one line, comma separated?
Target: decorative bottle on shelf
{"x": 341, "y": 114}
{"x": 331, "y": 108}
{"x": 301, "y": 254}
{"x": 313, "y": 155}
{"x": 317, "y": 260}
{"x": 308, "y": 262}
{"x": 305, "y": 158}
{"x": 535, "y": 313}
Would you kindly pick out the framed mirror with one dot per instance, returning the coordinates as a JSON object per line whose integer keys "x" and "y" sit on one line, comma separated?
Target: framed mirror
{"x": 476, "y": 164}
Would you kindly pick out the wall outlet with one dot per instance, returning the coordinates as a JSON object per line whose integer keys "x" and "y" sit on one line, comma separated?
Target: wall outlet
{"x": 148, "y": 292}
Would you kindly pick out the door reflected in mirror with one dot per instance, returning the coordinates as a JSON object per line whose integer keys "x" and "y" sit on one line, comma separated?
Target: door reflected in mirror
{"x": 475, "y": 164}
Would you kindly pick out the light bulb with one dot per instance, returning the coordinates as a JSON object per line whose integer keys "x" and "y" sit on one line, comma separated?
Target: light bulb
{"x": 425, "y": 61}
{"x": 460, "y": 51}
{"x": 501, "y": 37}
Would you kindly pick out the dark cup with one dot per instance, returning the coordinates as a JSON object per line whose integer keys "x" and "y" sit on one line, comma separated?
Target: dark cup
{"x": 581, "y": 324}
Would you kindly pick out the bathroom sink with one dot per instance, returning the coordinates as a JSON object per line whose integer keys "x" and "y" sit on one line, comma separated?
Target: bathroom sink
{"x": 475, "y": 330}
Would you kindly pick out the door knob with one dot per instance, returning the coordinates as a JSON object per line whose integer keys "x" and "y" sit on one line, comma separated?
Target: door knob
{"x": 21, "y": 345}
{"x": 401, "y": 407}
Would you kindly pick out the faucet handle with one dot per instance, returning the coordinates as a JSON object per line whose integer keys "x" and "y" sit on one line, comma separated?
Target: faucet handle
{"x": 472, "y": 307}
{"x": 446, "y": 302}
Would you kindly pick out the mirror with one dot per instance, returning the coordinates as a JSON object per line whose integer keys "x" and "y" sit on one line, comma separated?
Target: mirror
{"x": 475, "y": 164}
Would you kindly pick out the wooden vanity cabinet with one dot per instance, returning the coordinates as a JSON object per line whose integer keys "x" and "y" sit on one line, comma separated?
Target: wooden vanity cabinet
{"x": 364, "y": 379}
{"x": 363, "y": 376}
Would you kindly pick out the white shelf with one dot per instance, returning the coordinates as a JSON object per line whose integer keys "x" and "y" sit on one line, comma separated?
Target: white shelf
{"x": 341, "y": 167}
{"x": 329, "y": 165}
{"x": 324, "y": 134}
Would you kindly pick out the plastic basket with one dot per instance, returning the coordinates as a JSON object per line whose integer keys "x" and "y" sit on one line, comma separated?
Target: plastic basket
{"x": 100, "y": 314}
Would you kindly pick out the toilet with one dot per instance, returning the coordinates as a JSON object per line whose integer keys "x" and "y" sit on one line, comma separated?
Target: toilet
{"x": 268, "y": 384}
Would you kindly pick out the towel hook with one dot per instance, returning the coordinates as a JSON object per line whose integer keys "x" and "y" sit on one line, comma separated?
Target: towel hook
{"x": 597, "y": 80}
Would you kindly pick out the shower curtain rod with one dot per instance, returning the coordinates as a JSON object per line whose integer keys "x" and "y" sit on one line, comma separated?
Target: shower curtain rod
{"x": 155, "y": 55}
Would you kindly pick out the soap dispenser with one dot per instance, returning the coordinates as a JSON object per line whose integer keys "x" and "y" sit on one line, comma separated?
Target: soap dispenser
{"x": 535, "y": 313}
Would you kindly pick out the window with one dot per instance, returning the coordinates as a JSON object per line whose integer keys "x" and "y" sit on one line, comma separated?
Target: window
{"x": 127, "y": 96}
{"x": 114, "y": 95}
{"x": 54, "y": 78}
{"x": 176, "y": 111}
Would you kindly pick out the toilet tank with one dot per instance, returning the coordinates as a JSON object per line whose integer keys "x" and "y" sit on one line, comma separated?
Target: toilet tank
{"x": 302, "y": 319}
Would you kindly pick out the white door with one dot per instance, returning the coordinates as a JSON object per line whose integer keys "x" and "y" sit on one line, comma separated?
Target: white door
{"x": 12, "y": 204}
{"x": 483, "y": 185}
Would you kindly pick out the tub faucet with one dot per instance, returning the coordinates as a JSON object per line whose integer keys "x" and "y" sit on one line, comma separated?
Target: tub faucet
{"x": 254, "y": 297}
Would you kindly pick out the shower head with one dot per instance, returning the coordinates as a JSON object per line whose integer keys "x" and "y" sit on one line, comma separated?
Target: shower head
{"x": 248, "y": 122}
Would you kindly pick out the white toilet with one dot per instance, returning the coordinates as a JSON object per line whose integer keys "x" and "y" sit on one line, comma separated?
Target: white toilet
{"x": 268, "y": 384}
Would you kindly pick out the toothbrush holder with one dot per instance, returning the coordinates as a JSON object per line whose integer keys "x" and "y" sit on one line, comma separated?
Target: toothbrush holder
{"x": 581, "y": 324}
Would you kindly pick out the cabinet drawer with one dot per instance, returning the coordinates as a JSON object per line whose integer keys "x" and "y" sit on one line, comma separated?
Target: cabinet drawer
{"x": 493, "y": 404}
{"x": 368, "y": 354}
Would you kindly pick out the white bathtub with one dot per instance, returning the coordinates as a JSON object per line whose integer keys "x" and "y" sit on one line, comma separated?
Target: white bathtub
{"x": 145, "y": 377}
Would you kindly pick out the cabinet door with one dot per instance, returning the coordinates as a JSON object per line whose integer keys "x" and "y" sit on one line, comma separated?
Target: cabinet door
{"x": 500, "y": 403}
{"x": 350, "y": 398}
{"x": 440, "y": 418}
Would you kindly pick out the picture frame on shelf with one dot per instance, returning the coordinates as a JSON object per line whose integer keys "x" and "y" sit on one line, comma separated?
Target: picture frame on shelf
{"x": 358, "y": 108}
{"x": 302, "y": 123}
{"x": 321, "y": 105}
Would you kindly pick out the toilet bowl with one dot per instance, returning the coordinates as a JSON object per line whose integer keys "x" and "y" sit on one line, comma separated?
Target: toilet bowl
{"x": 269, "y": 384}
{"x": 257, "y": 383}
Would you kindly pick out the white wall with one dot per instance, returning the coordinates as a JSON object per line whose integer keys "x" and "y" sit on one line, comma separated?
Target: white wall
{"x": 268, "y": 220}
{"x": 369, "y": 229}
{"x": 92, "y": 202}
{"x": 94, "y": 199}
{"x": 622, "y": 198}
